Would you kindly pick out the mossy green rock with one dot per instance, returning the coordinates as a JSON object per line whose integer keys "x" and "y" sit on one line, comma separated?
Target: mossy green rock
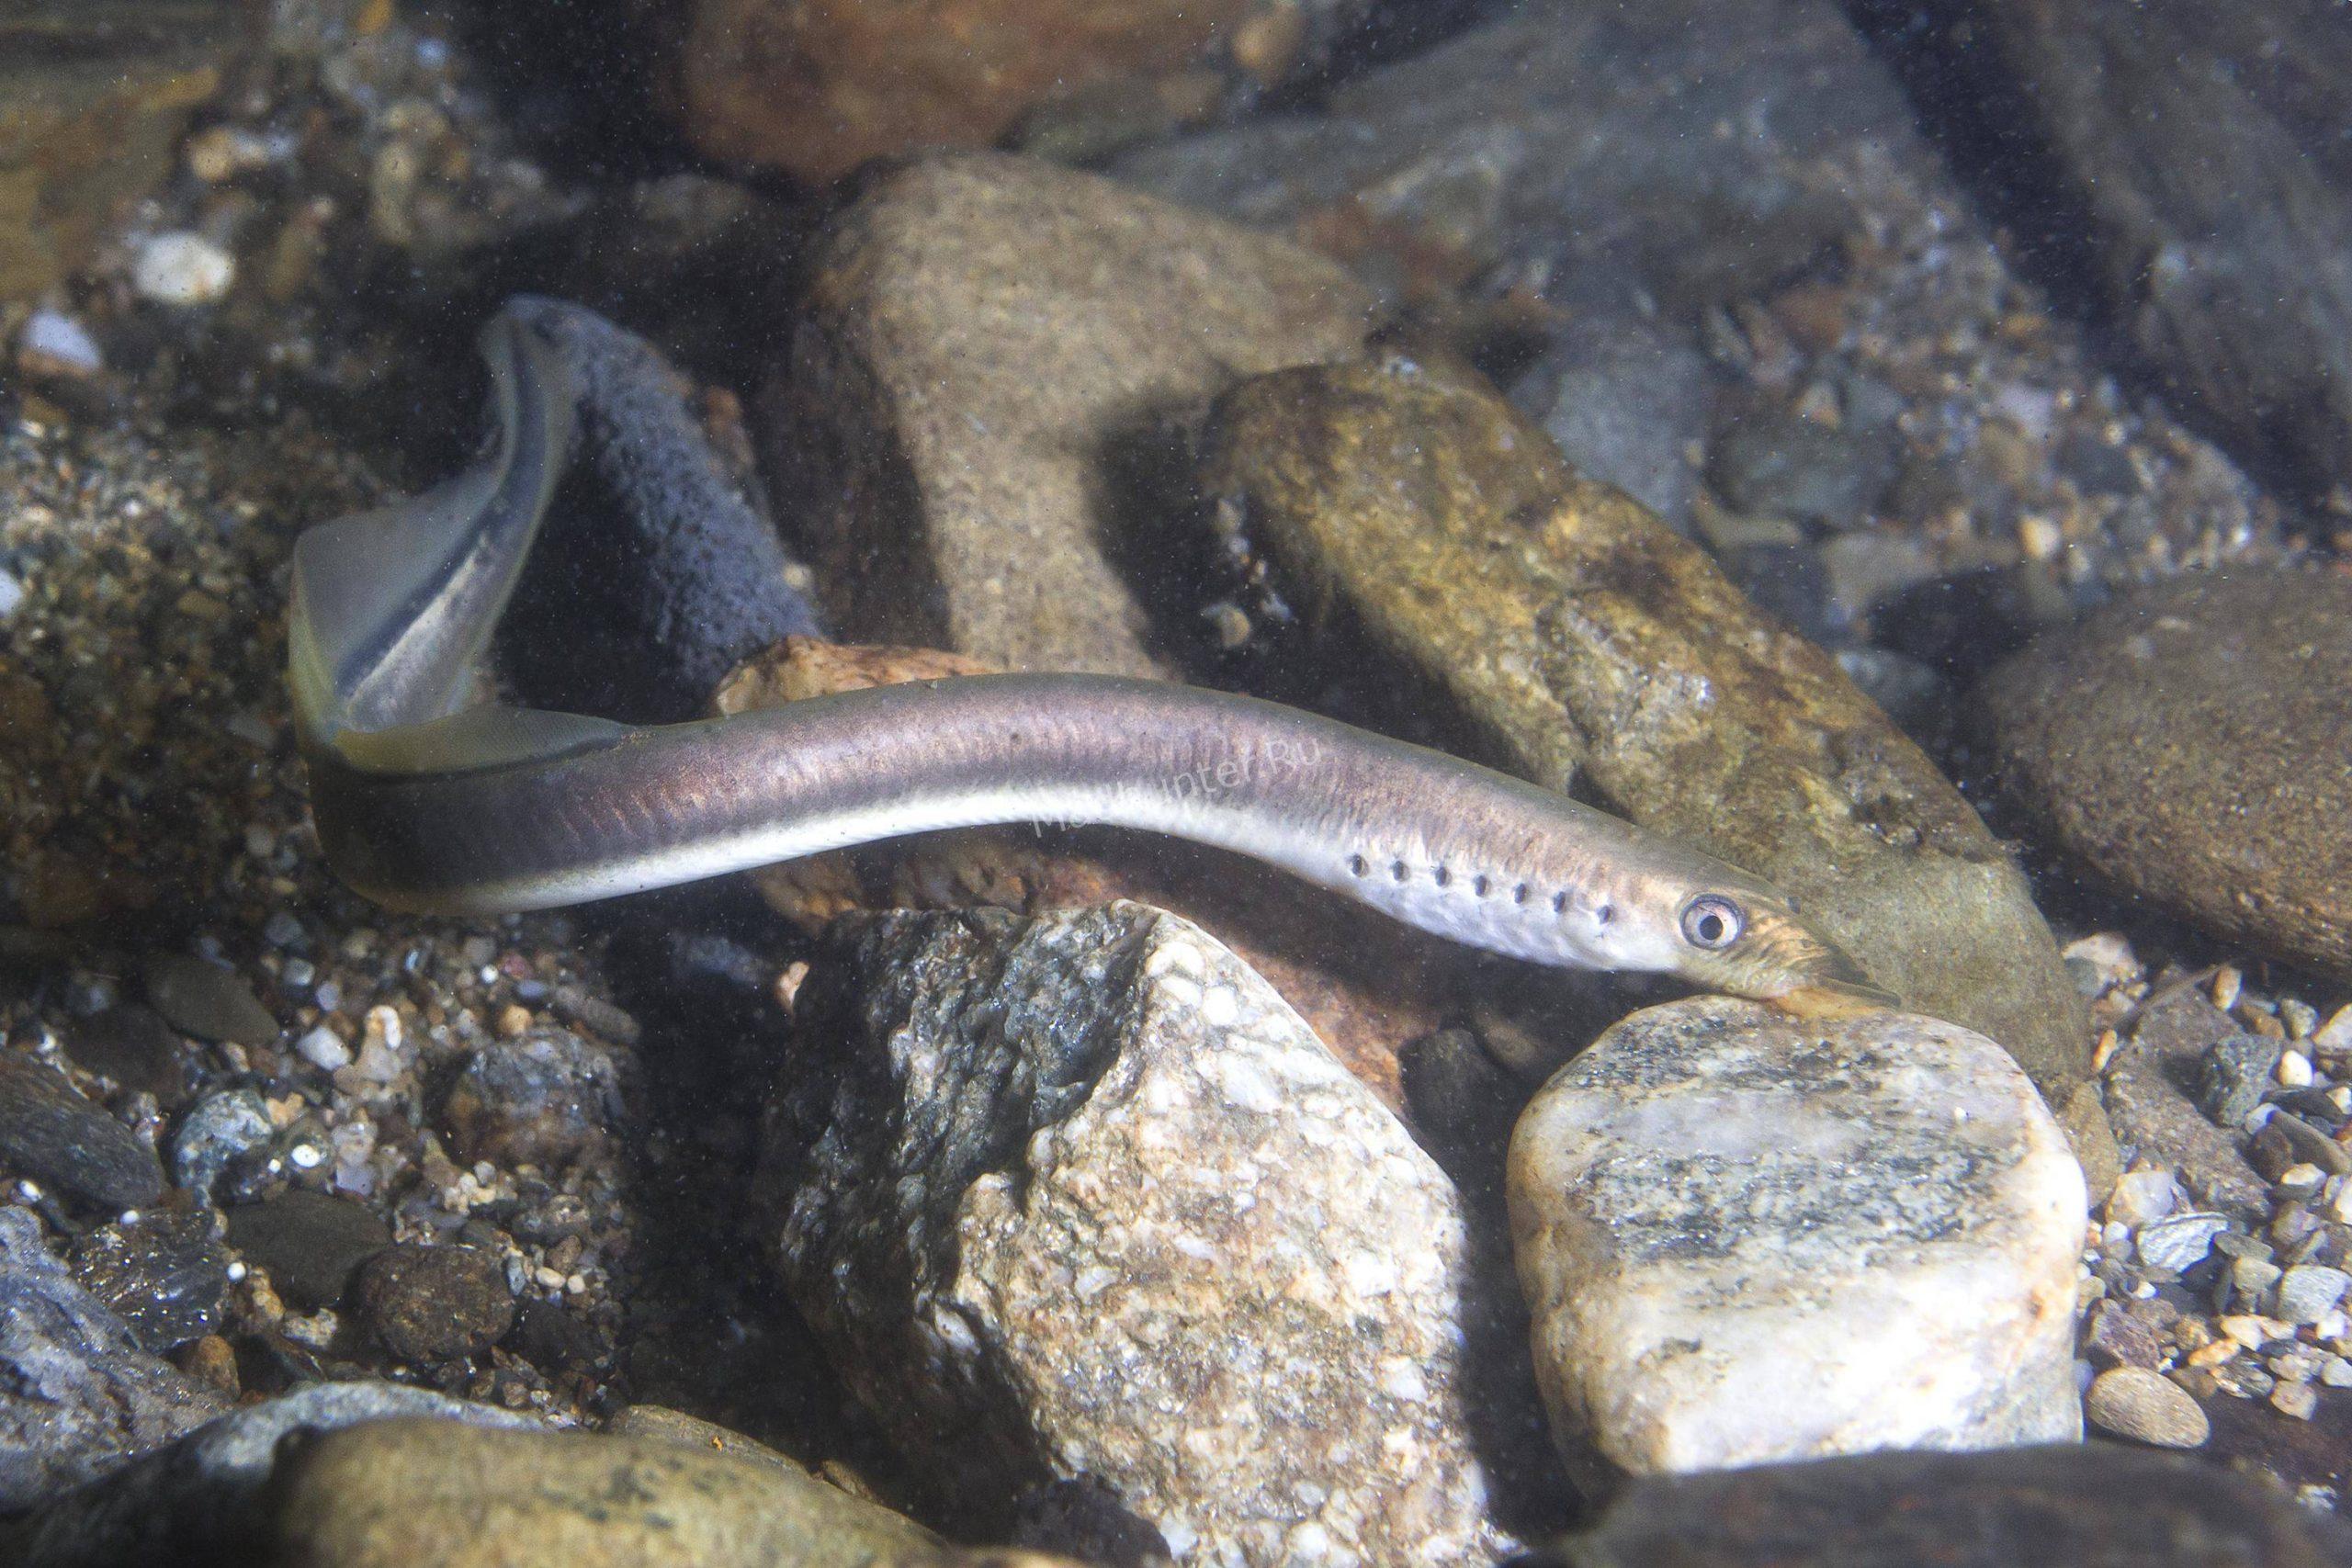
{"x": 1577, "y": 637}
{"x": 400, "y": 1493}
{"x": 2193, "y": 743}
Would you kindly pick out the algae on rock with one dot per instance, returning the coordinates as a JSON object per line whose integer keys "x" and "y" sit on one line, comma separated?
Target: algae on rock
{"x": 1580, "y": 639}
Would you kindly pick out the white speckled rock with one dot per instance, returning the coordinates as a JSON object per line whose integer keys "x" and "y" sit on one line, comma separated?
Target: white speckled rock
{"x": 1745, "y": 1236}
{"x": 1080, "y": 1196}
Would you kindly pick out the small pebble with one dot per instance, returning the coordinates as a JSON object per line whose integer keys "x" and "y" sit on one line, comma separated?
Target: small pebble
{"x": 182, "y": 268}
{"x": 132, "y": 1045}
{"x": 2336, "y": 1372}
{"x": 2142, "y": 1196}
{"x": 2308, "y": 1291}
{"x": 434, "y": 1303}
{"x": 2180, "y": 1242}
{"x": 324, "y": 1049}
{"x": 52, "y": 343}
{"x": 2227, "y": 981}
{"x": 2336, "y": 1034}
{"x": 2300, "y": 1018}
{"x": 221, "y": 1129}
{"x": 2135, "y": 1402}
{"x": 2294, "y": 1070}
{"x": 208, "y": 1001}
{"x": 2298, "y": 1399}
{"x": 2300, "y": 1181}
{"x": 311, "y": 1242}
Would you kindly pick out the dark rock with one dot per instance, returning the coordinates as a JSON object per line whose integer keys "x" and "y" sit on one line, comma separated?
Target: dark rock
{"x": 2098, "y": 1507}
{"x": 203, "y": 1498}
{"x": 162, "y": 1274}
{"x": 2192, "y": 743}
{"x": 309, "y": 1242}
{"x": 62, "y": 1140}
{"x": 2235, "y": 1075}
{"x": 2197, "y": 155}
{"x": 2148, "y": 1085}
{"x": 555, "y": 1341}
{"x": 1624, "y": 400}
{"x": 1787, "y": 582}
{"x": 220, "y": 1130}
{"x": 985, "y": 364}
{"x": 2307, "y": 1142}
{"x": 132, "y": 1045}
{"x": 1779, "y": 463}
{"x": 1913, "y": 694}
{"x": 208, "y": 1001}
{"x": 1578, "y": 639}
{"x": 2248, "y": 1434}
{"x": 434, "y": 1304}
{"x": 77, "y": 1395}
{"x": 543, "y": 1099}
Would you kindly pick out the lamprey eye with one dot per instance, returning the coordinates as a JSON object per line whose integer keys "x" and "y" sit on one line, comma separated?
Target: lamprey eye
{"x": 1713, "y": 922}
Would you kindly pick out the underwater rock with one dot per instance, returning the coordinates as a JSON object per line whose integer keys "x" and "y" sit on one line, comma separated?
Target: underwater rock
{"x": 2097, "y": 1505}
{"x": 1624, "y": 401}
{"x": 2193, "y": 744}
{"x": 1786, "y": 218}
{"x": 1748, "y": 1237}
{"x": 393, "y": 1494}
{"x": 2197, "y": 152}
{"x": 990, "y": 346}
{"x": 1081, "y": 1195}
{"x": 77, "y": 1393}
{"x": 2148, "y": 1080}
{"x": 817, "y": 89}
{"x": 61, "y": 1138}
{"x": 309, "y": 1242}
{"x": 1580, "y": 641}
{"x": 207, "y": 1496}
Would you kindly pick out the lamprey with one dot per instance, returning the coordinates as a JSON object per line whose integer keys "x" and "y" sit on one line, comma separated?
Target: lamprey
{"x": 429, "y": 797}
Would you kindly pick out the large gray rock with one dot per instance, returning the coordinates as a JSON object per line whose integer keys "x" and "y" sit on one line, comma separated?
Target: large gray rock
{"x": 989, "y": 346}
{"x": 77, "y": 1395}
{"x": 208, "y": 1492}
{"x": 2193, "y": 743}
{"x": 1746, "y": 1237}
{"x": 1078, "y": 1196}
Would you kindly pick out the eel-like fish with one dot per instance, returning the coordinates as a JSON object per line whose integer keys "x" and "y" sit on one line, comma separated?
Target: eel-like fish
{"x": 427, "y": 798}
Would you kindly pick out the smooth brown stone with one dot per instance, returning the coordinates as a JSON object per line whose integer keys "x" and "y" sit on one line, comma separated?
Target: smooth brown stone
{"x": 2193, "y": 743}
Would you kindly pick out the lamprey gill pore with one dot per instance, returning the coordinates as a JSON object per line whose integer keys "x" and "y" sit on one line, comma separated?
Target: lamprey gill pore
{"x": 429, "y": 799}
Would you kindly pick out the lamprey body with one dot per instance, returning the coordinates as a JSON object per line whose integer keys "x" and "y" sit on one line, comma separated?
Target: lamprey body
{"x": 427, "y": 799}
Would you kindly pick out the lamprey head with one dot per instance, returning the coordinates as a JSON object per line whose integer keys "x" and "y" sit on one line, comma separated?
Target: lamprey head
{"x": 1740, "y": 936}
